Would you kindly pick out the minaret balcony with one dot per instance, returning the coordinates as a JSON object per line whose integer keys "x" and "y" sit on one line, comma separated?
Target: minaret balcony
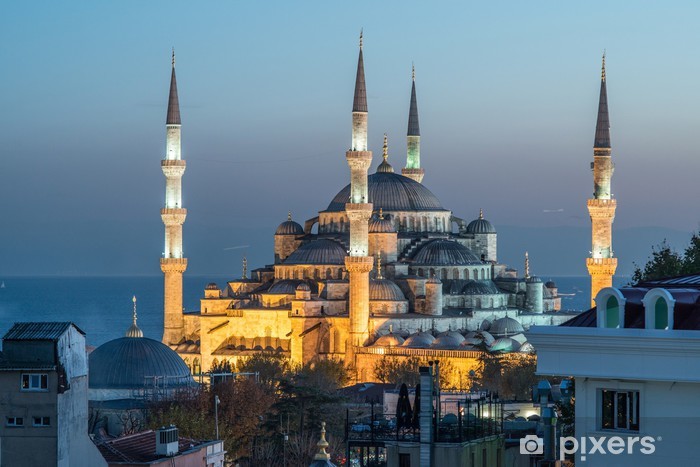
{"x": 173, "y": 216}
{"x": 359, "y": 160}
{"x": 173, "y": 167}
{"x": 177, "y": 265}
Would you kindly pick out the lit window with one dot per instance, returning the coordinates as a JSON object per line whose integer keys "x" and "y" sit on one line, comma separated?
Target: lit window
{"x": 15, "y": 421}
{"x": 35, "y": 382}
{"x": 619, "y": 410}
{"x": 42, "y": 421}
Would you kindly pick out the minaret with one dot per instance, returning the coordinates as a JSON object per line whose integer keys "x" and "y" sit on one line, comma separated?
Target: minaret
{"x": 173, "y": 264}
{"x": 412, "y": 169}
{"x": 601, "y": 264}
{"x": 359, "y": 210}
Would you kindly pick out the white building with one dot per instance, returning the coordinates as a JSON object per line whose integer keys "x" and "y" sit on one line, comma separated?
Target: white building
{"x": 635, "y": 359}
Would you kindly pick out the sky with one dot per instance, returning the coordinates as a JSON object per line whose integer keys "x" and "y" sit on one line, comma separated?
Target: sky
{"x": 507, "y": 95}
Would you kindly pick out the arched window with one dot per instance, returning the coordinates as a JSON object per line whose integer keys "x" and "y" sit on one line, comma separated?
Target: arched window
{"x": 658, "y": 309}
{"x": 443, "y": 274}
{"x": 420, "y": 272}
{"x": 196, "y": 368}
{"x": 466, "y": 273}
{"x": 329, "y": 274}
{"x": 340, "y": 273}
{"x": 612, "y": 313}
{"x": 432, "y": 272}
{"x": 610, "y": 304}
{"x": 455, "y": 273}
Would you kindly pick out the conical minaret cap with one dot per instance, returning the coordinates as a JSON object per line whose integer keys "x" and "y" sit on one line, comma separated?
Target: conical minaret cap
{"x": 359, "y": 103}
{"x": 413, "y": 126}
{"x": 602, "y": 128}
{"x": 173, "y": 117}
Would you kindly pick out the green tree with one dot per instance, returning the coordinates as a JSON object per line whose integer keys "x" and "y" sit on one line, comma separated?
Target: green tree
{"x": 510, "y": 375}
{"x": 667, "y": 262}
{"x": 271, "y": 367}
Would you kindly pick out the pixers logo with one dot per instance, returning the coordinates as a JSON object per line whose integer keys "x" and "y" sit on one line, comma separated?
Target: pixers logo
{"x": 615, "y": 445}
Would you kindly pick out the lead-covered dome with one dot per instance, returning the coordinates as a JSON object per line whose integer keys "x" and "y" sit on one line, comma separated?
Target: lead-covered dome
{"x": 448, "y": 340}
{"x": 130, "y": 362}
{"x": 506, "y": 326}
{"x": 419, "y": 340}
{"x": 480, "y": 225}
{"x": 389, "y": 340}
{"x": 385, "y": 290}
{"x": 289, "y": 227}
{"x": 287, "y": 287}
{"x": 443, "y": 252}
{"x": 392, "y": 192}
{"x": 381, "y": 225}
{"x": 321, "y": 251}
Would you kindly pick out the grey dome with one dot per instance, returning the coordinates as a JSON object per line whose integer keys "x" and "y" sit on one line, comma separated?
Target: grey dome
{"x": 443, "y": 252}
{"x": 384, "y": 289}
{"x": 285, "y": 286}
{"x": 303, "y": 287}
{"x": 289, "y": 227}
{"x": 392, "y": 192}
{"x": 534, "y": 280}
{"x": 506, "y": 326}
{"x": 448, "y": 340}
{"x": 480, "y": 226}
{"x": 526, "y": 348}
{"x": 211, "y": 286}
{"x": 550, "y": 285}
{"x": 127, "y": 362}
{"x": 479, "y": 288}
{"x": 419, "y": 340}
{"x": 504, "y": 344}
{"x": 377, "y": 225}
{"x": 321, "y": 251}
{"x": 389, "y": 340}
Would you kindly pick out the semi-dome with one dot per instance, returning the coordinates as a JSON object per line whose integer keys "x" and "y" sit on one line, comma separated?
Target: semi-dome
{"x": 506, "y": 326}
{"x": 289, "y": 227}
{"x": 480, "y": 226}
{"x": 443, "y": 252}
{"x": 419, "y": 340}
{"x": 448, "y": 340}
{"x": 303, "y": 287}
{"x": 130, "y": 362}
{"x": 384, "y": 289}
{"x": 286, "y": 286}
{"x": 320, "y": 251}
{"x": 380, "y": 225}
{"x": 389, "y": 340}
{"x": 485, "y": 287}
{"x": 392, "y": 192}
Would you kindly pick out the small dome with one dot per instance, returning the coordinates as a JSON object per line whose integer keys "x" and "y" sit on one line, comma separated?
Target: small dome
{"x": 211, "y": 286}
{"x": 472, "y": 342}
{"x": 485, "y": 325}
{"x": 480, "y": 226}
{"x": 519, "y": 337}
{"x": 286, "y": 287}
{"x": 443, "y": 252}
{"x": 303, "y": 287}
{"x": 385, "y": 167}
{"x": 526, "y": 348}
{"x": 378, "y": 225}
{"x": 550, "y": 285}
{"x": 131, "y": 363}
{"x": 320, "y": 251}
{"x": 506, "y": 326}
{"x": 389, "y": 340}
{"x": 384, "y": 289}
{"x": 504, "y": 344}
{"x": 487, "y": 337}
{"x": 419, "y": 340}
{"x": 134, "y": 331}
{"x": 448, "y": 340}
{"x": 534, "y": 280}
{"x": 485, "y": 287}
{"x": 289, "y": 227}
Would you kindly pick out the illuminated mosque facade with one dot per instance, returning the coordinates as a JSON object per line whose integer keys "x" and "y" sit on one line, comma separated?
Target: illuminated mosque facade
{"x": 384, "y": 269}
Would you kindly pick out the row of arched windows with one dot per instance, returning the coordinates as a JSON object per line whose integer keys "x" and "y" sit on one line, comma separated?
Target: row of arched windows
{"x": 455, "y": 273}
{"x": 658, "y": 309}
{"x": 308, "y": 273}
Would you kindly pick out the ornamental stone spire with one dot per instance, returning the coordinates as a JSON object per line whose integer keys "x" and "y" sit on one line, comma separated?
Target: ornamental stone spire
{"x": 173, "y": 263}
{"x": 413, "y": 169}
{"x": 602, "y": 264}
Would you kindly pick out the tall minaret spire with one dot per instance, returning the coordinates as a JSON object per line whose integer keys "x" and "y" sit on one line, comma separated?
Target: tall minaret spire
{"x": 601, "y": 264}
{"x": 358, "y": 210}
{"x": 173, "y": 264}
{"x": 413, "y": 169}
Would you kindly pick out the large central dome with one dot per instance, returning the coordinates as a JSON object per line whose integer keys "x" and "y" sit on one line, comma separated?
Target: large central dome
{"x": 392, "y": 192}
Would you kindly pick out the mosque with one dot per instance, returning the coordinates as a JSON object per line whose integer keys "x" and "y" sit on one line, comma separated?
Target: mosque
{"x": 384, "y": 269}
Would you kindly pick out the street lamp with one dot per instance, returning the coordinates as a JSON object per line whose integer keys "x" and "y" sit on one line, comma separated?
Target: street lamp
{"x": 216, "y": 414}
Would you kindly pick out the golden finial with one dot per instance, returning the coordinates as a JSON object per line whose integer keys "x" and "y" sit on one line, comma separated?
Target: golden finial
{"x": 391, "y": 329}
{"x": 379, "y": 265}
{"x": 134, "y": 330}
{"x": 413, "y": 71}
{"x": 527, "y": 266}
{"x": 173, "y": 57}
{"x": 289, "y": 215}
{"x": 481, "y": 213}
{"x": 133, "y": 299}
{"x": 245, "y": 268}
{"x": 602, "y": 75}
{"x": 381, "y": 213}
{"x": 360, "y": 39}
{"x": 385, "y": 150}
{"x": 322, "y": 455}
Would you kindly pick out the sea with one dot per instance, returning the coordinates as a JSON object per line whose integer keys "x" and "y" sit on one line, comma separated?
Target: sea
{"x": 102, "y": 306}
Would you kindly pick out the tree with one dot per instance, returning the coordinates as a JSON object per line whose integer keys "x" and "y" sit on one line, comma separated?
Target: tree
{"x": 271, "y": 367}
{"x": 398, "y": 370}
{"x": 509, "y": 375}
{"x": 666, "y": 262}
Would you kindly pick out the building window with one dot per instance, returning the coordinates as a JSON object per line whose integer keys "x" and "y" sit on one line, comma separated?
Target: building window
{"x": 661, "y": 314}
{"x": 659, "y": 307}
{"x": 610, "y": 304}
{"x": 619, "y": 410}
{"x": 35, "y": 382}
{"x": 41, "y": 421}
{"x": 14, "y": 421}
{"x": 612, "y": 313}
{"x": 404, "y": 460}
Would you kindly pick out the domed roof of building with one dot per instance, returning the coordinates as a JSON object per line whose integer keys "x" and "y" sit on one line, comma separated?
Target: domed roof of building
{"x": 485, "y": 287}
{"x": 487, "y": 337}
{"x": 444, "y": 252}
{"x": 533, "y": 280}
{"x": 130, "y": 362}
{"x": 381, "y": 225}
{"x": 550, "y": 285}
{"x": 389, "y": 340}
{"x": 506, "y": 326}
{"x": 526, "y": 348}
{"x": 303, "y": 287}
{"x": 480, "y": 225}
{"x": 504, "y": 344}
{"x": 448, "y": 340}
{"x": 285, "y": 286}
{"x": 393, "y": 192}
{"x": 384, "y": 289}
{"x": 211, "y": 286}
{"x": 289, "y": 227}
{"x": 419, "y": 340}
{"x": 319, "y": 251}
